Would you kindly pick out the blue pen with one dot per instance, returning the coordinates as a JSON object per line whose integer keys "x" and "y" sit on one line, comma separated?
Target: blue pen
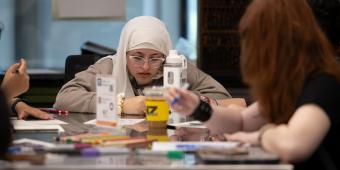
{"x": 176, "y": 98}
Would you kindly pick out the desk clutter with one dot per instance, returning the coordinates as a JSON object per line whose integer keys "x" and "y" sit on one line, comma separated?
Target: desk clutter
{"x": 92, "y": 149}
{"x": 105, "y": 148}
{"x": 132, "y": 144}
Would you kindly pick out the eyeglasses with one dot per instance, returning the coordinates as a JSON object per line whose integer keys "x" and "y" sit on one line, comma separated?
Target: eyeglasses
{"x": 139, "y": 61}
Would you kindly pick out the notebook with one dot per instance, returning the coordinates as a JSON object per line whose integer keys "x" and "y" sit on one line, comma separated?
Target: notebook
{"x": 250, "y": 155}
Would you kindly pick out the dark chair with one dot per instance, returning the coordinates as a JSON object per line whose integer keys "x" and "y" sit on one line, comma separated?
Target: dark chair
{"x": 91, "y": 52}
{"x": 78, "y": 63}
{"x": 96, "y": 49}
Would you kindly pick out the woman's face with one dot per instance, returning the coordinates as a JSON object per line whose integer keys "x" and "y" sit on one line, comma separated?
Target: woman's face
{"x": 144, "y": 64}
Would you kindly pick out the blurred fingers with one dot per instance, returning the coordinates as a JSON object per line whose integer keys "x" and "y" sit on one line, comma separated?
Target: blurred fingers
{"x": 22, "y": 115}
{"x": 233, "y": 137}
{"x": 23, "y": 66}
{"x": 13, "y": 68}
{"x": 170, "y": 94}
{"x": 220, "y": 137}
{"x": 244, "y": 137}
{"x": 181, "y": 131}
{"x": 174, "y": 138}
{"x": 39, "y": 114}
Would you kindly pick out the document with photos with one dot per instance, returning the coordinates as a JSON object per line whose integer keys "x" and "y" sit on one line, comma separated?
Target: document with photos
{"x": 106, "y": 100}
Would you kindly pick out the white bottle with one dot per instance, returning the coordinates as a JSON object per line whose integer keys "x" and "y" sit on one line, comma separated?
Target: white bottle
{"x": 175, "y": 75}
{"x": 175, "y": 70}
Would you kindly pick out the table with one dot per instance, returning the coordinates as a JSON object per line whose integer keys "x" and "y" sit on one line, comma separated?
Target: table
{"x": 127, "y": 161}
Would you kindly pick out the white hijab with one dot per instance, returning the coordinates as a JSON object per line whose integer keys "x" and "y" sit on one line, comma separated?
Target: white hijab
{"x": 140, "y": 32}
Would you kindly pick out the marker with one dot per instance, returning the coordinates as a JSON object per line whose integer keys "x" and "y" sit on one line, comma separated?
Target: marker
{"x": 172, "y": 155}
{"x": 72, "y": 149}
{"x": 55, "y": 111}
{"x": 98, "y": 151}
{"x": 176, "y": 98}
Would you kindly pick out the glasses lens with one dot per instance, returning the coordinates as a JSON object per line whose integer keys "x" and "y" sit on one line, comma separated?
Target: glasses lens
{"x": 154, "y": 62}
{"x": 137, "y": 60}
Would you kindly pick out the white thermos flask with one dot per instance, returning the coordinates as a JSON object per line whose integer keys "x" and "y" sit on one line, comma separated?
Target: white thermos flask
{"x": 175, "y": 75}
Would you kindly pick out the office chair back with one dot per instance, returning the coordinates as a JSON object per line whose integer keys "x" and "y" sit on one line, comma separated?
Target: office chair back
{"x": 78, "y": 63}
{"x": 92, "y": 48}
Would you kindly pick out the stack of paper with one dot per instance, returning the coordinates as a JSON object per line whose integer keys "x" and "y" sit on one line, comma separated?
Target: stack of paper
{"x": 121, "y": 122}
{"x": 38, "y": 125}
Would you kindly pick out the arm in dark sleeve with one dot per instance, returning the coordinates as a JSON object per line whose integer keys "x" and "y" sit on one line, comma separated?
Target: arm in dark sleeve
{"x": 324, "y": 91}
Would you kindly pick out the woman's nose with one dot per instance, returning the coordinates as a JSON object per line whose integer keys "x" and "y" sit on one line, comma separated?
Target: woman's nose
{"x": 146, "y": 65}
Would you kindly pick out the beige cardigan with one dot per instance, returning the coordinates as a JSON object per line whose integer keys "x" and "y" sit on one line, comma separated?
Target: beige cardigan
{"x": 79, "y": 94}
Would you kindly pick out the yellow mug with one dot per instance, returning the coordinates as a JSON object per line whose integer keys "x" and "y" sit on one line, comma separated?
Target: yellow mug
{"x": 157, "y": 109}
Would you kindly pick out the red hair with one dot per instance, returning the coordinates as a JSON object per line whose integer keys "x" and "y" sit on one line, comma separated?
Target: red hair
{"x": 281, "y": 46}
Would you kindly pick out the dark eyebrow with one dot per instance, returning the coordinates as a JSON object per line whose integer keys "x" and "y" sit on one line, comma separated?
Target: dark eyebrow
{"x": 137, "y": 52}
{"x": 157, "y": 54}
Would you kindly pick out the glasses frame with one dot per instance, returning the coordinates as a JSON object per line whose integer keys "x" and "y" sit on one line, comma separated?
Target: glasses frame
{"x": 135, "y": 63}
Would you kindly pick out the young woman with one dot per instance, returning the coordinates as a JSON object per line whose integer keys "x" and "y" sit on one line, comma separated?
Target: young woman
{"x": 144, "y": 43}
{"x": 16, "y": 82}
{"x": 292, "y": 72}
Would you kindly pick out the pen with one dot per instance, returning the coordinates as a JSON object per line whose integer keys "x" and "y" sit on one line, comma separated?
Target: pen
{"x": 103, "y": 139}
{"x": 78, "y": 138}
{"x": 139, "y": 144}
{"x": 196, "y": 123}
{"x": 130, "y": 143}
{"x": 176, "y": 98}
{"x": 171, "y": 127}
{"x": 55, "y": 111}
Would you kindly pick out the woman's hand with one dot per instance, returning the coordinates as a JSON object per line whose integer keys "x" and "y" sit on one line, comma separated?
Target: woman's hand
{"x": 244, "y": 137}
{"x": 16, "y": 80}
{"x": 190, "y": 134}
{"x": 25, "y": 111}
{"x": 182, "y": 101}
{"x": 134, "y": 105}
{"x": 218, "y": 138}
